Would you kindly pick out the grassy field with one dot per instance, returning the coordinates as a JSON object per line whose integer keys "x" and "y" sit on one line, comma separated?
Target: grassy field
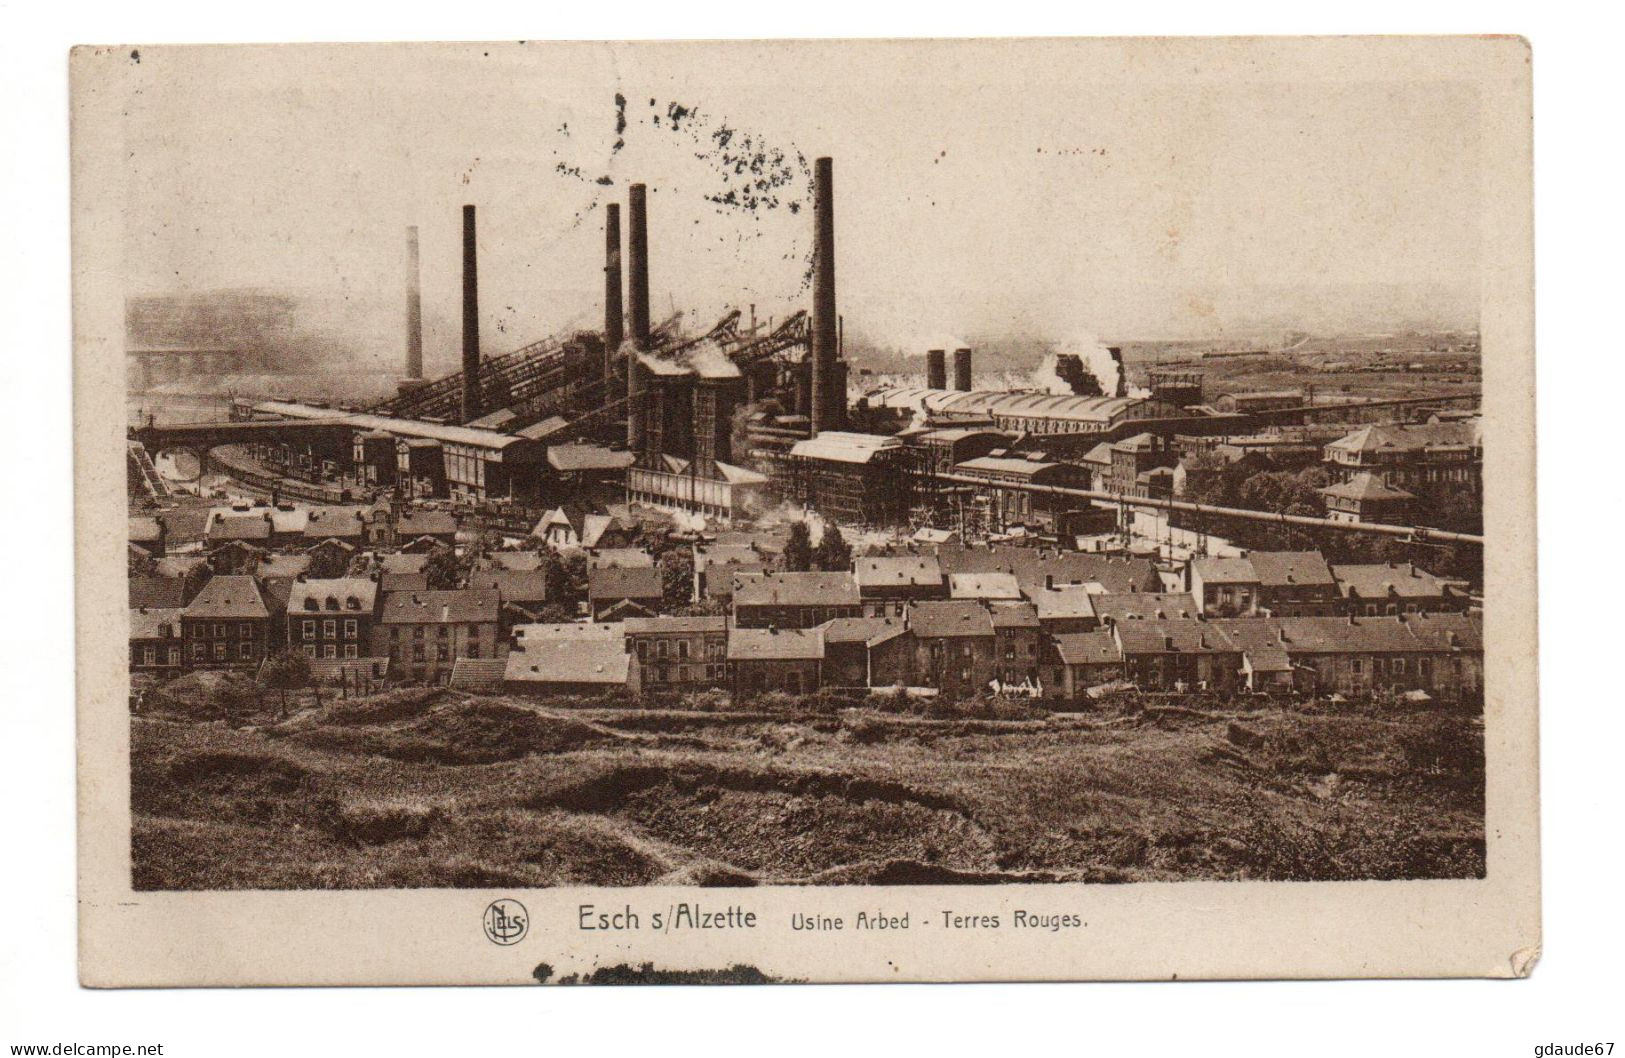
{"x": 437, "y": 789}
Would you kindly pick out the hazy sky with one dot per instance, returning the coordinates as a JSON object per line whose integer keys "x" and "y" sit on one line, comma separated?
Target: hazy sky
{"x": 1046, "y": 190}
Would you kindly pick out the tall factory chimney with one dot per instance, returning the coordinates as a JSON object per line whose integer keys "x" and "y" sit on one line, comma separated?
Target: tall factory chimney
{"x": 471, "y": 320}
{"x": 614, "y": 315}
{"x": 1122, "y": 376}
{"x": 414, "y": 308}
{"x": 936, "y": 369}
{"x": 962, "y": 370}
{"x": 638, "y": 265}
{"x": 828, "y": 399}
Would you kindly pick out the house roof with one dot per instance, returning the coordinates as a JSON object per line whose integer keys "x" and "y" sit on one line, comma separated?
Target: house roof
{"x": 1069, "y": 603}
{"x": 1182, "y": 636}
{"x": 275, "y": 564}
{"x": 949, "y": 618}
{"x": 983, "y": 586}
{"x": 237, "y": 525}
{"x": 858, "y": 629}
{"x": 157, "y": 592}
{"x": 649, "y": 626}
{"x": 425, "y": 523}
{"x": 477, "y": 674}
{"x": 1144, "y": 606}
{"x": 1414, "y": 633}
{"x": 1278, "y": 569}
{"x": 1400, "y": 437}
{"x": 612, "y": 631}
{"x": 149, "y": 622}
{"x": 768, "y": 644}
{"x": 388, "y": 581}
{"x": 340, "y": 523}
{"x": 514, "y": 585}
{"x": 795, "y": 589}
{"x": 335, "y": 594}
{"x": 459, "y": 606}
{"x": 1014, "y": 615}
{"x": 1224, "y": 570}
{"x": 145, "y": 528}
{"x": 235, "y": 597}
{"x": 402, "y": 562}
{"x": 1088, "y": 648}
{"x": 521, "y": 561}
{"x": 624, "y": 557}
{"x": 601, "y": 662}
{"x": 622, "y": 582}
{"x": 898, "y": 571}
{"x": 1380, "y": 580}
{"x": 1364, "y": 486}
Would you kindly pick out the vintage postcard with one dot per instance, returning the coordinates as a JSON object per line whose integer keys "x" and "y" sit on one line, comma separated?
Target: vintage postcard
{"x": 805, "y": 511}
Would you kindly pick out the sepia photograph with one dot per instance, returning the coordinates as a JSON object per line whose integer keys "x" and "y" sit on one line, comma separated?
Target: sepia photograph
{"x": 616, "y": 468}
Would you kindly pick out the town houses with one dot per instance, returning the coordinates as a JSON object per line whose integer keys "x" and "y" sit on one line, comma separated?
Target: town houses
{"x": 683, "y": 613}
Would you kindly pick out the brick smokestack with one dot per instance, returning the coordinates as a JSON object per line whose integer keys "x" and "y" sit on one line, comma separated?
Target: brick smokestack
{"x": 637, "y": 249}
{"x": 471, "y": 320}
{"x": 414, "y": 308}
{"x": 614, "y": 314}
{"x": 936, "y": 369}
{"x": 962, "y": 370}
{"x": 828, "y": 401}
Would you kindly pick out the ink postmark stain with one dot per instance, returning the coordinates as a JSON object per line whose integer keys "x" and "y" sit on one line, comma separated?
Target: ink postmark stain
{"x": 506, "y": 922}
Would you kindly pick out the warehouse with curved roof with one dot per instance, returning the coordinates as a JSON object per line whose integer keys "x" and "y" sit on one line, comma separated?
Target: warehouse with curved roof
{"x": 1024, "y": 411}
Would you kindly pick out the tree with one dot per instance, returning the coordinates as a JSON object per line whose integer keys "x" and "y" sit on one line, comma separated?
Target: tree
{"x": 445, "y": 569}
{"x": 329, "y": 562}
{"x": 798, "y": 550}
{"x": 288, "y": 670}
{"x": 834, "y": 554}
{"x": 677, "y": 577}
{"x": 554, "y": 579}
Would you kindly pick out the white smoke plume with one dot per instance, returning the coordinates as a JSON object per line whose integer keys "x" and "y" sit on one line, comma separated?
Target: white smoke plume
{"x": 1045, "y": 379}
{"x": 1097, "y": 358}
{"x": 708, "y": 359}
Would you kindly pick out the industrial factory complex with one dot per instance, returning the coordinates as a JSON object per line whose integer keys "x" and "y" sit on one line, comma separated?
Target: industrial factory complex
{"x": 1049, "y": 537}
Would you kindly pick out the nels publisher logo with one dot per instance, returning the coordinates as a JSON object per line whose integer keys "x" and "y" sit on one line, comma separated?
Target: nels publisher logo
{"x": 506, "y": 922}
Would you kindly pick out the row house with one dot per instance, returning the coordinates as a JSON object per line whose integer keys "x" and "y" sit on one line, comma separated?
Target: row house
{"x": 888, "y": 583}
{"x": 716, "y": 564}
{"x": 955, "y": 648}
{"x": 1295, "y": 584}
{"x": 585, "y": 658}
{"x": 1411, "y": 456}
{"x": 1386, "y": 589}
{"x": 424, "y": 632}
{"x": 794, "y": 600}
{"x": 1016, "y": 641}
{"x": 776, "y": 659}
{"x": 616, "y": 591}
{"x": 677, "y": 653}
{"x": 1224, "y": 587}
{"x": 230, "y": 623}
{"x": 333, "y": 617}
{"x": 848, "y": 650}
{"x": 157, "y": 647}
{"x": 1441, "y": 655}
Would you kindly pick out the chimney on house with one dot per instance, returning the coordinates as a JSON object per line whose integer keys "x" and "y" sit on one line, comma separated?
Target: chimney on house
{"x": 471, "y": 320}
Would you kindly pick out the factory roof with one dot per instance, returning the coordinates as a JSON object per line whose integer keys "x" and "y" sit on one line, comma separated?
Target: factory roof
{"x": 229, "y": 597}
{"x": 1017, "y": 465}
{"x": 795, "y": 589}
{"x": 776, "y": 644}
{"x": 472, "y": 436}
{"x": 495, "y": 420}
{"x": 841, "y": 447}
{"x": 571, "y": 458}
{"x": 463, "y": 606}
{"x": 550, "y": 425}
{"x": 1004, "y": 403}
{"x": 425, "y": 523}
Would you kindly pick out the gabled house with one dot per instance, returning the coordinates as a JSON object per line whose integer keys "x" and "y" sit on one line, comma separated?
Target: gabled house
{"x": 332, "y": 618}
{"x": 955, "y": 646}
{"x": 794, "y": 600}
{"x": 230, "y": 624}
{"x": 608, "y": 587}
{"x": 1224, "y": 587}
{"x": 888, "y": 583}
{"x": 157, "y": 647}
